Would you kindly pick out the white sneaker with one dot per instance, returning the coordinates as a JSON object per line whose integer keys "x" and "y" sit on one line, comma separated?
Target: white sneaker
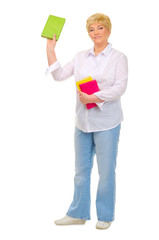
{"x": 69, "y": 221}
{"x": 103, "y": 225}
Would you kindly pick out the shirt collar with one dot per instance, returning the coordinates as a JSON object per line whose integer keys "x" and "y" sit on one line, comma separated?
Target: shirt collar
{"x": 105, "y": 51}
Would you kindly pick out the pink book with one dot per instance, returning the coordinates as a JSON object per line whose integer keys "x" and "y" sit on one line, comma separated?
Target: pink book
{"x": 89, "y": 88}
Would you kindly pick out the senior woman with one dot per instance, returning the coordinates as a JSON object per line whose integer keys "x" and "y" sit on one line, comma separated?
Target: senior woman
{"x": 97, "y": 129}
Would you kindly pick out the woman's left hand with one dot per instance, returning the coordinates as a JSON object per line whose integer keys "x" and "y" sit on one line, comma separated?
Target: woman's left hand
{"x": 84, "y": 97}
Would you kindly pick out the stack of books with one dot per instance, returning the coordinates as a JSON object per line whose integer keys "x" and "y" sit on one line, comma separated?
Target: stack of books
{"x": 89, "y": 86}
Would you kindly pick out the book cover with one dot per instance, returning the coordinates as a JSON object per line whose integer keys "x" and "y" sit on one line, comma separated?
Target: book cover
{"x": 54, "y": 25}
{"x": 87, "y": 79}
{"x": 90, "y": 88}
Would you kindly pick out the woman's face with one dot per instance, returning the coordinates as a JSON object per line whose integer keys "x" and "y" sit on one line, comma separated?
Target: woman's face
{"x": 98, "y": 33}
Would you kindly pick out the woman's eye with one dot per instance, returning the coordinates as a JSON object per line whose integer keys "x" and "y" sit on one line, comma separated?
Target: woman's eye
{"x": 100, "y": 28}
{"x": 91, "y": 30}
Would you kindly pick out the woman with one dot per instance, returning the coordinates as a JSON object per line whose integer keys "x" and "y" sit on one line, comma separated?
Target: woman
{"x": 97, "y": 129}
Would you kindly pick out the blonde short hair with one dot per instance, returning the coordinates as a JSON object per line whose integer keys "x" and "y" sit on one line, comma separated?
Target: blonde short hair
{"x": 101, "y": 18}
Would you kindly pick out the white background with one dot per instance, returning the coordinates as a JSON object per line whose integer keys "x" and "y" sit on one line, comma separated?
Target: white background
{"x": 37, "y": 121}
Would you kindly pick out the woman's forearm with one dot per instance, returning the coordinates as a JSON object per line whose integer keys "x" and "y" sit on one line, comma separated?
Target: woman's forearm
{"x": 85, "y": 98}
{"x": 51, "y": 56}
{"x": 94, "y": 99}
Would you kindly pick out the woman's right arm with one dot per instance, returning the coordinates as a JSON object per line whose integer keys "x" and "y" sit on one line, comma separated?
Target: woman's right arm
{"x": 59, "y": 73}
{"x": 51, "y": 56}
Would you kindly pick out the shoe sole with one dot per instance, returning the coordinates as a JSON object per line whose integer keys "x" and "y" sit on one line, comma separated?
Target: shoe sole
{"x": 71, "y": 223}
{"x": 97, "y": 227}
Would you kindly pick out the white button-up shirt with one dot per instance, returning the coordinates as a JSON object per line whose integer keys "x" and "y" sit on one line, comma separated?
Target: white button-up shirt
{"x": 110, "y": 69}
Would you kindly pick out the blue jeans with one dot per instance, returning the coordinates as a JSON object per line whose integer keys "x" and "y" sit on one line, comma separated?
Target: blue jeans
{"x": 104, "y": 144}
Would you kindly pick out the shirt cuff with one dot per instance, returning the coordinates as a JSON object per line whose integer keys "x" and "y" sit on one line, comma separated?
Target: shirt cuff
{"x": 52, "y": 67}
{"x": 100, "y": 105}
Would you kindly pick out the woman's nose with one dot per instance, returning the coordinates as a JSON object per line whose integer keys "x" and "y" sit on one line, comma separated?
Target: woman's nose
{"x": 96, "y": 31}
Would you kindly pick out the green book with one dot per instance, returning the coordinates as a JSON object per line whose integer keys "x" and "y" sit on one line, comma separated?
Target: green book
{"x": 54, "y": 25}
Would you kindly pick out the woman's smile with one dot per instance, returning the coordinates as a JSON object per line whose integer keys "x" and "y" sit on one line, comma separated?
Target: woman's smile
{"x": 97, "y": 37}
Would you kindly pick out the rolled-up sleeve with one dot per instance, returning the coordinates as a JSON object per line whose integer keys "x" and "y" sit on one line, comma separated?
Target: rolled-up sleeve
{"x": 52, "y": 67}
{"x": 115, "y": 91}
{"x": 60, "y": 73}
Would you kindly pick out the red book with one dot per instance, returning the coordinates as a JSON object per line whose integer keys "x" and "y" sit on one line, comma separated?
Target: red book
{"x": 90, "y": 88}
